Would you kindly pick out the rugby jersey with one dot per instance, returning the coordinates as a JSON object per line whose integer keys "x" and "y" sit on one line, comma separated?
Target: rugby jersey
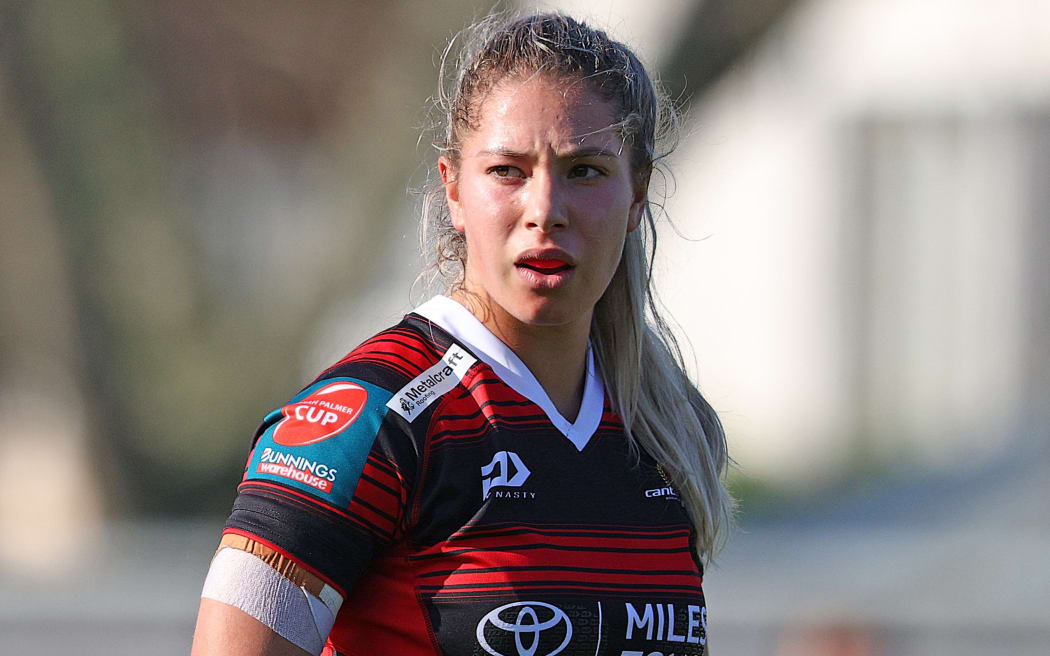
{"x": 428, "y": 480}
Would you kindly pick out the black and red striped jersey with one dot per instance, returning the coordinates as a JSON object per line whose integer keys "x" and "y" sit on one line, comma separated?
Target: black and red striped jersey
{"x": 428, "y": 478}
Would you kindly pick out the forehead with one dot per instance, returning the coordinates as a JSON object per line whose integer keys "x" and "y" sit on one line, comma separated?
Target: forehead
{"x": 541, "y": 111}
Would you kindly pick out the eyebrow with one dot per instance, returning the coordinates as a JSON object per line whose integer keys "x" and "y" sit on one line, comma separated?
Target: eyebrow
{"x": 569, "y": 154}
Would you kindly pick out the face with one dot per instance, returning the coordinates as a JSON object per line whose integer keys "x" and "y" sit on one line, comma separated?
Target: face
{"x": 545, "y": 195}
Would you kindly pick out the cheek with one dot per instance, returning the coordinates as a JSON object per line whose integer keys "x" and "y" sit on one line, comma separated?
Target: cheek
{"x": 607, "y": 220}
{"x": 606, "y": 235}
{"x": 486, "y": 214}
{"x": 486, "y": 240}
{"x": 614, "y": 251}
{"x": 480, "y": 200}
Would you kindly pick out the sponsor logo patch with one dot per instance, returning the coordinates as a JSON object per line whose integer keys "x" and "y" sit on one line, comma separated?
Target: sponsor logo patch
{"x": 324, "y": 413}
{"x": 505, "y": 470}
{"x": 530, "y": 622}
{"x": 657, "y": 492}
{"x": 666, "y": 622}
{"x": 297, "y": 468}
{"x": 319, "y": 441}
{"x": 429, "y": 386}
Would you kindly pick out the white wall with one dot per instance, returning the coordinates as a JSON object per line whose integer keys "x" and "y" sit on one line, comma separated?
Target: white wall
{"x": 769, "y": 178}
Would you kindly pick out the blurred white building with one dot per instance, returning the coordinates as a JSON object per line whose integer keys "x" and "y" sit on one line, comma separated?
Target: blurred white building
{"x": 869, "y": 282}
{"x": 868, "y": 200}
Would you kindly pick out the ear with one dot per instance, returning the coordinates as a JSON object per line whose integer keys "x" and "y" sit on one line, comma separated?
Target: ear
{"x": 634, "y": 215}
{"x": 451, "y": 183}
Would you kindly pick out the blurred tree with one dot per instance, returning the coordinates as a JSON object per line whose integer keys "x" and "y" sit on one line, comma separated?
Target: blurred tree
{"x": 218, "y": 173}
{"x": 150, "y": 123}
{"x": 716, "y": 35}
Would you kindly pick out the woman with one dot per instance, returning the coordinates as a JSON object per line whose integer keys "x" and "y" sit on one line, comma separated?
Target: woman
{"x": 520, "y": 468}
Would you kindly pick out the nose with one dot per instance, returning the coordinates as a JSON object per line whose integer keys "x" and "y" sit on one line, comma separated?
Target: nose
{"x": 545, "y": 205}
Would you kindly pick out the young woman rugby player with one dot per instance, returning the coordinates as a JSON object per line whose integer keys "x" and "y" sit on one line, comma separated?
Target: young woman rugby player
{"x": 520, "y": 466}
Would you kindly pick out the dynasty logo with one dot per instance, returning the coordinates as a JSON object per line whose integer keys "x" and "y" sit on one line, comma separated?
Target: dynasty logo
{"x": 505, "y": 470}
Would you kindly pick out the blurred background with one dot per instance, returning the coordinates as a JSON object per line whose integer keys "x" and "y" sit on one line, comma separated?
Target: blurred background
{"x": 203, "y": 204}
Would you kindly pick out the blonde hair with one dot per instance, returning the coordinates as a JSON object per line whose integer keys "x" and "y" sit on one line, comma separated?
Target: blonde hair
{"x": 663, "y": 412}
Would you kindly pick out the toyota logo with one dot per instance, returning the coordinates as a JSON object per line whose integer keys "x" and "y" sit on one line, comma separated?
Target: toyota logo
{"x": 527, "y": 625}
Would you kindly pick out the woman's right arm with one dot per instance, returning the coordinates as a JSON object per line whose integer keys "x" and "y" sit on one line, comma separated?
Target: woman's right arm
{"x": 224, "y": 630}
{"x": 259, "y": 602}
{"x": 322, "y": 492}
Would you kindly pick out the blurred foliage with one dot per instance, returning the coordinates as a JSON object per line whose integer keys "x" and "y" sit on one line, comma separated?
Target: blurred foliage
{"x": 206, "y": 178}
{"x": 216, "y": 172}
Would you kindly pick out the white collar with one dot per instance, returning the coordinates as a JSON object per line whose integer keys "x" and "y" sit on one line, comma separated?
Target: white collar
{"x": 459, "y": 322}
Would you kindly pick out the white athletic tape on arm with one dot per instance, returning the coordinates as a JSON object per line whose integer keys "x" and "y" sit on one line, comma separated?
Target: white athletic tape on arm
{"x": 244, "y": 581}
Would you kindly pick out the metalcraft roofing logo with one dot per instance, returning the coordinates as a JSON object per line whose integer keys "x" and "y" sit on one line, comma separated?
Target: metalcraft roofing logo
{"x": 412, "y": 399}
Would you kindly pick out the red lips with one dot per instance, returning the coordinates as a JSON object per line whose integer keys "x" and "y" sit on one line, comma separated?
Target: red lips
{"x": 545, "y": 266}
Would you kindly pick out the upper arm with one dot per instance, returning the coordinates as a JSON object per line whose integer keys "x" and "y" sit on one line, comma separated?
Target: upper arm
{"x": 224, "y": 630}
{"x": 324, "y": 488}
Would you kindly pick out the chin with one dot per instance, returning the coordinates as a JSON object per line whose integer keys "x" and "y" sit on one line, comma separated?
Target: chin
{"x": 551, "y": 312}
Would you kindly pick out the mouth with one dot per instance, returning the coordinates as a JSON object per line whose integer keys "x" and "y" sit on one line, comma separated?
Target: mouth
{"x": 544, "y": 266}
{"x": 545, "y": 269}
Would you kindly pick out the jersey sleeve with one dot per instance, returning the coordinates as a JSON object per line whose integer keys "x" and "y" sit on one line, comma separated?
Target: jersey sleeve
{"x": 327, "y": 482}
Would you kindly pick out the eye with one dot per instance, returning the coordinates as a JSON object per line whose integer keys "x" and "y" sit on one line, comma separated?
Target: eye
{"x": 505, "y": 171}
{"x": 585, "y": 171}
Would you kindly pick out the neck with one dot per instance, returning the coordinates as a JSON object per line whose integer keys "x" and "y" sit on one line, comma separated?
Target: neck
{"x": 556, "y": 355}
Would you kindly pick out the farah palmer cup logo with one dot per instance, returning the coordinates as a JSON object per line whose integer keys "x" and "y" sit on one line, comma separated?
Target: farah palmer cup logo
{"x": 322, "y": 414}
{"x": 528, "y": 622}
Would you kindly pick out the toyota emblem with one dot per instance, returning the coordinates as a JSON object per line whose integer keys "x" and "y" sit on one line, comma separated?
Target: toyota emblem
{"x": 528, "y": 621}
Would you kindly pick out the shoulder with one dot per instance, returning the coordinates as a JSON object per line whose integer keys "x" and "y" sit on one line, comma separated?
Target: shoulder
{"x": 416, "y": 362}
{"x": 395, "y": 354}
{"x": 358, "y": 410}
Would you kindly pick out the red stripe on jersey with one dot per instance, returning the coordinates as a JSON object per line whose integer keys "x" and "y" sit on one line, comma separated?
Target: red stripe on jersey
{"x": 602, "y": 530}
{"x": 399, "y": 349}
{"x": 380, "y": 498}
{"x": 566, "y": 591}
{"x": 382, "y": 523}
{"x": 559, "y": 588}
{"x": 381, "y": 480}
{"x": 503, "y": 577}
{"x": 610, "y": 420}
{"x": 289, "y": 493}
{"x": 374, "y": 521}
{"x": 298, "y": 561}
{"x": 484, "y": 404}
{"x": 385, "y": 468}
{"x": 607, "y": 561}
{"x": 511, "y": 553}
{"x": 362, "y": 521}
{"x": 384, "y": 609}
{"x": 460, "y": 430}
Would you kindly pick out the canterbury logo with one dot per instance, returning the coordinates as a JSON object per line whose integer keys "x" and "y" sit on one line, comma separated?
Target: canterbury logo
{"x": 505, "y": 470}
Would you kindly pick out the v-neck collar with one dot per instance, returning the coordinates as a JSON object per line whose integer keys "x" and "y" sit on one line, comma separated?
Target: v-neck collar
{"x": 459, "y": 322}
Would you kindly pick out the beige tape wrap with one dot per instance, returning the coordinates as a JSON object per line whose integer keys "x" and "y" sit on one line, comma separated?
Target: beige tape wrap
{"x": 272, "y": 588}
